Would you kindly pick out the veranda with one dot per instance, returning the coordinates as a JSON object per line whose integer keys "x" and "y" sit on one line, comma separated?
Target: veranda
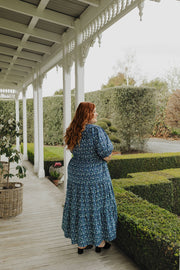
{"x": 35, "y": 240}
{"x": 37, "y": 35}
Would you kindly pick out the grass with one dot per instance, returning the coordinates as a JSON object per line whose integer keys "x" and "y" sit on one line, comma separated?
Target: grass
{"x": 51, "y": 153}
{"x": 145, "y": 155}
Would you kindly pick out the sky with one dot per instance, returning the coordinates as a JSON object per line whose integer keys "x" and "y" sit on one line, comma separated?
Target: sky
{"x": 154, "y": 42}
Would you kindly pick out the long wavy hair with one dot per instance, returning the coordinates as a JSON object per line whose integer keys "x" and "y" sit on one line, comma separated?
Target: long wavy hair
{"x": 83, "y": 115}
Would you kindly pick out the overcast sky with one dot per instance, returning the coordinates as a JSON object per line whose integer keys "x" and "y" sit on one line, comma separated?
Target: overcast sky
{"x": 155, "y": 42}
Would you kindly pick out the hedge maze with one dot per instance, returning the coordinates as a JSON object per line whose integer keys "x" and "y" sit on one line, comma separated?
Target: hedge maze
{"x": 148, "y": 208}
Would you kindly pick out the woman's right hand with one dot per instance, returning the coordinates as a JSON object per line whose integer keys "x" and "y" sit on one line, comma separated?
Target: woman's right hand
{"x": 108, "y": 158}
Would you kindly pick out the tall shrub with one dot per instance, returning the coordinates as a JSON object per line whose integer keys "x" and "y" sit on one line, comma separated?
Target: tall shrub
{"x": 134, "y": 115}
{"x": 132, "y": 111}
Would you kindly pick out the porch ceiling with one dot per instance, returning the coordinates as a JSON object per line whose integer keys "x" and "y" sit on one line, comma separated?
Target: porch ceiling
{"x": 31, "y": 32}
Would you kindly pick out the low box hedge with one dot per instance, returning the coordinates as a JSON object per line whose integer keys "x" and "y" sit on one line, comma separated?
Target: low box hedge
{"x": 174, "y": 176}
{"x": 147, "y": 233}
{"x": 156, "y": 189}
{"x": 121, "y": 165}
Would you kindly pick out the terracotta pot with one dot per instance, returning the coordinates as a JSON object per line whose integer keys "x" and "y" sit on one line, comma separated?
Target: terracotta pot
{"x": 55, "y": 181}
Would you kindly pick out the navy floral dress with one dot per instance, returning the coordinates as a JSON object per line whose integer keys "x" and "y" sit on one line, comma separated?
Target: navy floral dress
{"x": 90, "y": 212}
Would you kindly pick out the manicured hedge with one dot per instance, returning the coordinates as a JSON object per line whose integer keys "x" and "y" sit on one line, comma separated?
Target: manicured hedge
{"x": 146, "y": 232}
{"x": 156, "y": 189}
{"x": 121, "y": 165}
{"x": 174, "y": 176}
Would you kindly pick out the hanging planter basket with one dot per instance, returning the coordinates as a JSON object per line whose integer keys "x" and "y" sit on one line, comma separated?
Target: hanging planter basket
{"x": 11, "y": 199}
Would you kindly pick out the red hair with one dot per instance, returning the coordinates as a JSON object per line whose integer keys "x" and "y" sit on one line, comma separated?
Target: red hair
{"x": 83, "y": 115}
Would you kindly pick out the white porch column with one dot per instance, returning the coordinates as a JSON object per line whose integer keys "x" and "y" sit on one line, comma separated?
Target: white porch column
{"x": 41, "y": 172}
{"x": 66, "y": 105}
{"x": 17, "y": 120}
{"x": 25, "y": 157}
{"x": 79, "y": 67}
{"x": 35, "y": 103}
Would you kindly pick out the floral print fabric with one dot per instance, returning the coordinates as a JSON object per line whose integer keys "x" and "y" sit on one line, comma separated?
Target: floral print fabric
{"x": 90, "y": 212}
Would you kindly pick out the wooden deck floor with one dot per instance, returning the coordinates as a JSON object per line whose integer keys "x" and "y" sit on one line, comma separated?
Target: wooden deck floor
{"x": 34, "y": 239}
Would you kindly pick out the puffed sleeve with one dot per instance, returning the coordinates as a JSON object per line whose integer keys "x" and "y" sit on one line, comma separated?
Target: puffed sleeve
{"x": 103, "y": 145}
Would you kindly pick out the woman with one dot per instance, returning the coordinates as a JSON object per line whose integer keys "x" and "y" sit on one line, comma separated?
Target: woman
{"x": 90, "y": 213}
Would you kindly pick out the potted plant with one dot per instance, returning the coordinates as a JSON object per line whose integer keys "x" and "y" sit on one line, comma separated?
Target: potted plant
{"x": 56, "y": 173}
{"x": 11, "y": 193}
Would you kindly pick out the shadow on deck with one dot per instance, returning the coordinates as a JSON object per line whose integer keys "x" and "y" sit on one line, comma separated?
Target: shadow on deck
{"x": 35, "y": 240}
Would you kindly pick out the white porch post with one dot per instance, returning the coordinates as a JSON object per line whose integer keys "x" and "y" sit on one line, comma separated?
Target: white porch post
{"x": 36, "y": 160}
{"x": 17, "y": 120}
{"x": 66, "y": 105}
{"x": 41, "y": 172}
{"x": 79, "y": 67}
{"x": 25, "y": 157}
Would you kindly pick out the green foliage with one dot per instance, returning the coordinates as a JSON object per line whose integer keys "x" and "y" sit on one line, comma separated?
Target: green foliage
{"x": 8, "y": 133}
{"x": 108, "y": 103}
{"x": 53, "y": 120}
{"x": 147, "y": 233}
{"x": 118, "y": 80}
{"x": 160, "y": 128}
{"x": 174, "y": 176}
{"x": 152, "y": 187}
{"x": 58, "y": 92}
{"x": 120, "y": 166}
{"x": 132, "y": 111}
{"x": 113, "y": 129}
{"x": 102, "y": 124}
{"x": 106, "y": 120}
{"x": 54, "y": 175}
{"x": 114, "y": 138}
{"x": 107, "y": 126}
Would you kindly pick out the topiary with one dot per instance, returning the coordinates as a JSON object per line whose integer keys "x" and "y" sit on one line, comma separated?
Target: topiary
{"x": 106, "y": 120}
{"x": 114, "y": 138}
{"x": 102, "y": 124}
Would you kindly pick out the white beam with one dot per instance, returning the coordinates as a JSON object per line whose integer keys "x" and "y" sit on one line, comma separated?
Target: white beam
{"x": 12, "y": 79}
{"x": 27, "y": 45}
{"x": 18, "y": 73}
{"x": 25, "y": 55}
{"x": 6, "y": 59}
{"x": 35, "y": 106}
{"x": 8, "y": 86}
{"x": 23, "y": 29}
{"x": 4, "y": 65}
{"x": 79, "y": 67}
{"x": 25, "y": 157}
{"x": 31, "y": 10}
{"x": 18, "y": 67}
{"x": 41, "y": 172}
{"x": 17, "y": 120}
{"x": 26, "y": 63}
{"x": 94, "y": 3}
{"x": 43, "y": 4}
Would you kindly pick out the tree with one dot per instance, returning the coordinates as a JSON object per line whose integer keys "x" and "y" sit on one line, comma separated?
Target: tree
{"x": 58, "y": 92}
{"x": 118, "y": 80}
{"x": 173, "y": 78}
{"x": 173, "y": 110}
{"x": 162, "y": 94}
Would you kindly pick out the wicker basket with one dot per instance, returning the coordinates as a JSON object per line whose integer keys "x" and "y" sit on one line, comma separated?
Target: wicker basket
{"x": 4, "y": 171}
{"x": 11, "y": 200}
